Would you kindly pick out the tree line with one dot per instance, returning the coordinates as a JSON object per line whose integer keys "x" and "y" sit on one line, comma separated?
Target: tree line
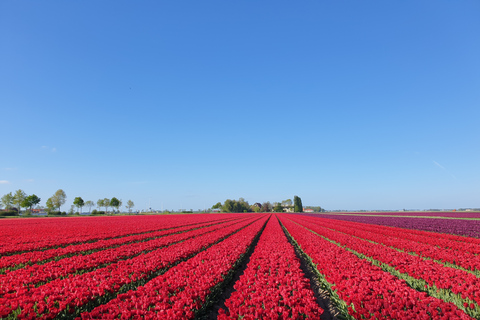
{"x": 14, "y": 202}
{"x": 241, "y": 205}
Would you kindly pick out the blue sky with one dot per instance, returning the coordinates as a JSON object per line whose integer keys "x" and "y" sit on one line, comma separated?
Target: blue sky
{"x": 181, "y": 104}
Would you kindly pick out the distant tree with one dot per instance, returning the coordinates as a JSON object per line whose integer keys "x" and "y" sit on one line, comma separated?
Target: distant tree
{"x": 218, "y": 205}
{"x": 130, "y": 205}
{"x": 100, "y": 203}
{"x": 18, "y": 198}
{"x": 228, "y": 206}
{"x": 59, "y": 198}
{"x": 89, "y": 204}
{"x": 266, "y": 207}
{"x": 106, "y": 204}
{"x": 115, "y": 203}
{"x": 297, "y": 203}
{"x": 277, "y": 207}
{"x": 7, "y": 200}
{"x": 287, "y": 202}
{"x": 49, "y": 204}
{"x": 79, "y": 203}
{"x": 30, "y": 201}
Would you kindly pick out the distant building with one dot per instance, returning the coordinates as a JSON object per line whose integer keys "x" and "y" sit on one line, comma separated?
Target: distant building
{"x": 307, "y": 210}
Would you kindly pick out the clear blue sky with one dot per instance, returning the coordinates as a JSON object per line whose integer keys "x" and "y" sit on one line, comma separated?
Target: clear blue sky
{"x": 181, "y": 104}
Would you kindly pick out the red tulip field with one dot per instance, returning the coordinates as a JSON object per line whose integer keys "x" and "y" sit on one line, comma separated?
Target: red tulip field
{"x": 233, "y": 266}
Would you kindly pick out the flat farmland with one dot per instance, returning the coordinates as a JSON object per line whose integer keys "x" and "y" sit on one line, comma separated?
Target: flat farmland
{"x": 235, "y": 266}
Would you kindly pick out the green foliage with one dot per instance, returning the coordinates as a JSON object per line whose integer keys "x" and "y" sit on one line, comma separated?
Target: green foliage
{"x": 297, "y": 204}
{"x": 218, "y": 205}
{"x": 130, "y": 205}
{"x": 50, "y": 205}
{"x": 79, "y": 203}
{"x": 8, "y": 213}
{"x": 89, "y": 204}
{"x": 58, "y": 199}
{"x": 104, "y": 203}
{"x": 95, "y": 212}
{"x": 278, "y": 207}
{"x": 236, "y": 206}
{"x": 18, "y": 198}
{"x": 7, "y": 200}
{"x": 30, "y": 201}
{"x": 57, "y": 213}
{"x": 115, "y": 203}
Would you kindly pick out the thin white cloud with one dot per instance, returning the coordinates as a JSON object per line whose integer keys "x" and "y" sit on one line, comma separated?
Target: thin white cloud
{"x": 4, "y": 182}
{"x": 443, "y": 168}
{"x": 29, "y": 180}
{"x": 9, "y": 169}
{"x": 439, "y": 165}
{"x": 48, "y": 148}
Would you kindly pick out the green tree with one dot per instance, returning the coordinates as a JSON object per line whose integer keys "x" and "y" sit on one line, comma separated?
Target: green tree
{"x": 297, "y": 203}
{"x": 218, "y": 205}
{"x": 130, "y": 205}
{"x": 49, "y": 204}
{"x": 106, "y": 204}
{"x": 58, "y": 199}
{"x": 277, "y": 207}
{"x": 18, "y": 198}
{"x": 7, "y": 200}
{"x": 79, "y": 203}
{"x": 30, "y": 201}
{"x": 228, "y": 206}
{"x": 89, "y": 204}
{"x": 115, "y": 203}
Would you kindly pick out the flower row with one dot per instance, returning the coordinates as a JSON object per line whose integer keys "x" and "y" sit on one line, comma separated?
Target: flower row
{"x": 31, "y": 257}
{"x": 10, "y": 282}
{"x": 53, "y": 232}
{"x": 183, "y": 289}
{"x": 424, "y": 246}
{"x": 435, "y": 274}
{"x": 273, "y": 285}
{"x": 368, "y": 290}
{"x": 74, "y": 291}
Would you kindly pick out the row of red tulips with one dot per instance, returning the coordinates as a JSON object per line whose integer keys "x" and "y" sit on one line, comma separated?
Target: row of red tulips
{"x": 370, "y": 292}
{"x": 464, "y": 254}
{"x": 273, "y": 285}
{"x": 31, "y": 257}
{"x": 181, "y": 291}
{"x": 460, "y": 282}
{"x": 75, "y": 291}
{"x": 38, "y": 234}
{"x": 10, "y": 282}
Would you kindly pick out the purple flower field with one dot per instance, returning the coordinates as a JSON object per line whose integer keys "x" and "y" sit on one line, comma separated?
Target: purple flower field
{"x": 469, "y": 228}
{"x": 451, "y": 214}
